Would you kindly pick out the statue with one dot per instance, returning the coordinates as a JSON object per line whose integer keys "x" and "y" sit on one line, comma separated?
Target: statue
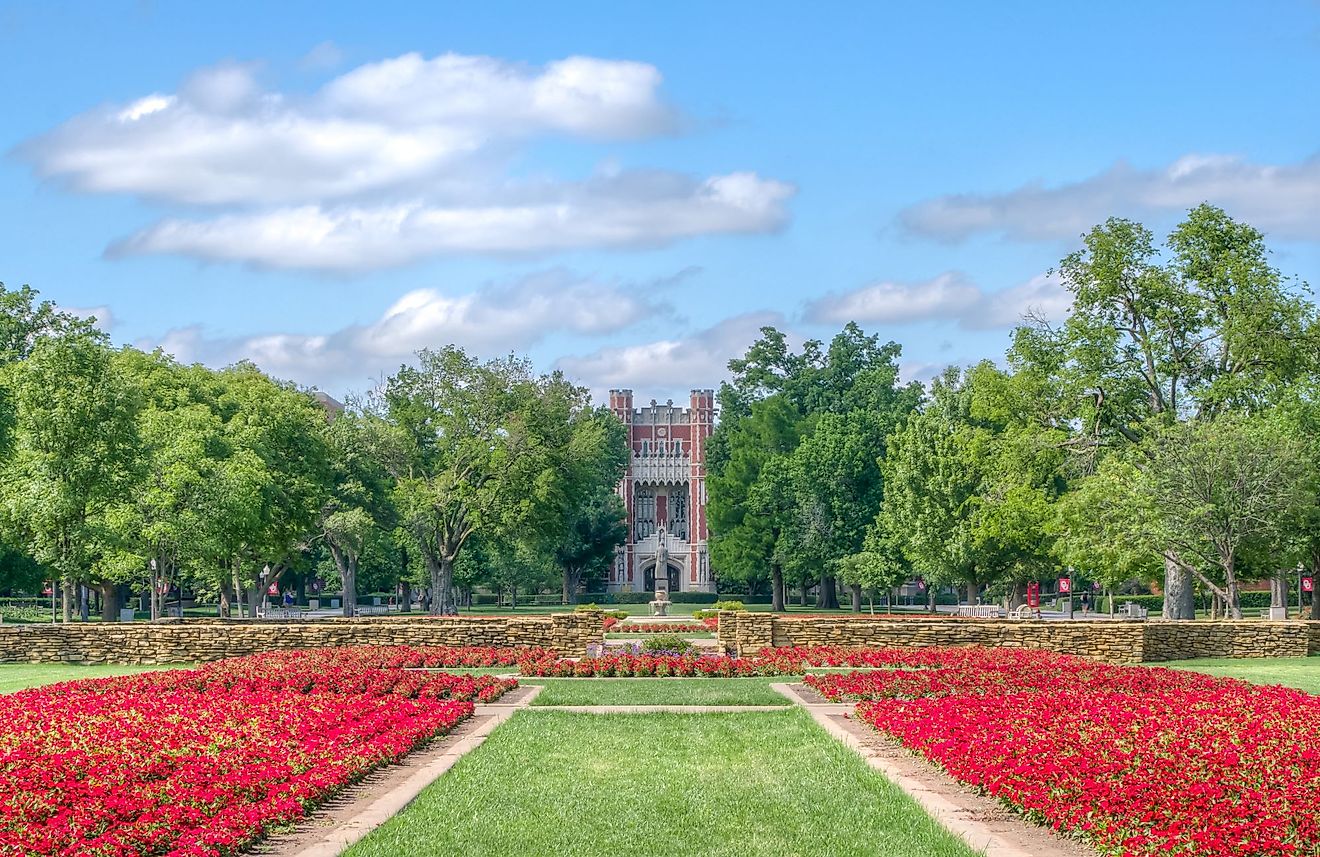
{"x": 660, "y": 606}
{"x": 661, "y": 560}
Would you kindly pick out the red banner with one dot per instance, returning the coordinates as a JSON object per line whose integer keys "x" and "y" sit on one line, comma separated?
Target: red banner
{"x": 1065, "y": 585}
{"x": 1033, "y": 594}
{"x": 1308, "y": 584}
{"x": 274, "y": 589}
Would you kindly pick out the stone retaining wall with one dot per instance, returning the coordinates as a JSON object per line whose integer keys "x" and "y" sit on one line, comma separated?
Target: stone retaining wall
{"x": 1111, "y": 641}
{"x": 209, "y": 640}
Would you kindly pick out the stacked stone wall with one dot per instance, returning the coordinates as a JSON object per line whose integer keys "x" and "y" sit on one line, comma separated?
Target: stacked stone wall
{"x": 1115, "y": 642}
{"x": 209, "y": 640}
{"x": 1176, "y": 641}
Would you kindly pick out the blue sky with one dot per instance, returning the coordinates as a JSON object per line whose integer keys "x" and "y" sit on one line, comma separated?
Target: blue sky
{"x": 625, "y": 191}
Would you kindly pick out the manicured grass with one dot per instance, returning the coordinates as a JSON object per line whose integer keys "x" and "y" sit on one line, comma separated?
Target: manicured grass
{"x": 20, "y": 676}
{"x": 657, "y": 691}
{"x": 655, "y": 785}
{"x": 1302, "y": 673}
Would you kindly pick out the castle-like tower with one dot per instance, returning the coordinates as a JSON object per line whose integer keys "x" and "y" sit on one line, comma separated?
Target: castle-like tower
{"x": 664, "y": 491}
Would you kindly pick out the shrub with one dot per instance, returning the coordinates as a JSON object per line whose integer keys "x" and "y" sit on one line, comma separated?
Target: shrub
{"x": 667, "y": 643}
{"x": 728, "y": 605}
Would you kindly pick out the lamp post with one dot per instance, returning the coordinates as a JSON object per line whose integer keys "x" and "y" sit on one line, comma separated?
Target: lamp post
{"x": 265, "y": 591}
{"x": 155, "y": 591}
{"x": 1301, "y": 572}
{"x": 179, "y": 583}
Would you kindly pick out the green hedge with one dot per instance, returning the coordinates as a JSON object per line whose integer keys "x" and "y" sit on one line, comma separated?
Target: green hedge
{"x": 647, "y": 597}
{"x": 1254, "y": 600}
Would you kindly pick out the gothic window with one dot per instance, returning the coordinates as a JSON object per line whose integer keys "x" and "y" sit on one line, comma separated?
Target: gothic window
{"x": 678, "y": 512}
{"x": 678, "y": 447}
{"x": 646, "y": 447}
{"x": 644, "y": 512}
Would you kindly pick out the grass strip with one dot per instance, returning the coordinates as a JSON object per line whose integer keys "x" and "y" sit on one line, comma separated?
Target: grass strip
{"x": 655, "y": 785}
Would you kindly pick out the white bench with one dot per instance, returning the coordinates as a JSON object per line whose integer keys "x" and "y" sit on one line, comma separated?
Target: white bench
{"x": 980, "y": 611}
{"x": 1024, "y": 611}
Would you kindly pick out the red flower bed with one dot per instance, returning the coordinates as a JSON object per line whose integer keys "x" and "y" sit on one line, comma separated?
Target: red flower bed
{"x": 660, "y": 666}
{"x": 203, "y": 761}
{"x": 657, "y": 627}
{"x": 1137, "y": 761}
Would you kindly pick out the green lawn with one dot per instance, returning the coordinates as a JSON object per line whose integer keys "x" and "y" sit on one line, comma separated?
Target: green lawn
{"x": 655, "y": 785}
{"x": 19, "y": 676}
{"x": 657, "y": 691}
{"x": 1303, "y": 673}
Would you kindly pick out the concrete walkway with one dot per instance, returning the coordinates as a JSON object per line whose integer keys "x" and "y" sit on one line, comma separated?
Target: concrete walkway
{"x": 981, "y": 821}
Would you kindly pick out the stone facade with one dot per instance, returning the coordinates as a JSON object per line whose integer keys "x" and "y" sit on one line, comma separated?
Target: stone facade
{"x": 664, "y": 492}
{"x": 1112, "y": 642}
{"x": 208, "y": 640}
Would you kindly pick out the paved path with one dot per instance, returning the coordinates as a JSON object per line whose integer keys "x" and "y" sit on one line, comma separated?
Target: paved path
{"x": 980, "y": 821}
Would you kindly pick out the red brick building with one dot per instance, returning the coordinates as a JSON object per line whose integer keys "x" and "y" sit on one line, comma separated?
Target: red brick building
{"x": 664, "y": 491}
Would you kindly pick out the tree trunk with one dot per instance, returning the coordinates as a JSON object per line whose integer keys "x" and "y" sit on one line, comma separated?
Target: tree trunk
{"x": 776, "y": 588}
{"x": 571, "y": 578}
{"x": 66, "y": 600}
{"x": 1279, "y": 592}
{"x": 856, "y": 591}
{"x": 226, "y": 599}
{"x": 972, "y": 590}
{"x": 1017, "y": 595}
{"x": 238, "y": 586}
{"x": 1232, "y": 603}
{"x": 802, "y": 595}
{"x": 109, "y": 602}
{"x": 347, "y": 566}
{"x": 827, "y": 598}
{"x": 441, "y": 571}
{"x": 405, "y": 598}
{"x": 1179, "y": 597}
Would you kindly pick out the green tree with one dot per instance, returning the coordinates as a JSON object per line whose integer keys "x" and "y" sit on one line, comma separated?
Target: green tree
{"x": 586, "y": 548}
{"x": 460, "y": 438}
{"x": 969, "y": 485}
{"x": 748, "y": 508}
{"x": 1151, "y": 342}
{"x": 808, "y": 514}
{"x": 357, "y": 510}
{"x": 75, "y": 451}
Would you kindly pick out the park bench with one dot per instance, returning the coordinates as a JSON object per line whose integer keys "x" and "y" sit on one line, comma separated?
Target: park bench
{"x": 980, "y": 611}
{"x": 1023, "y": 611}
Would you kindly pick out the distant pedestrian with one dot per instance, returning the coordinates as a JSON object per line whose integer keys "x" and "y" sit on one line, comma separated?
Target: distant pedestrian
{"x": 288, "y": 599}
{"x": 1086, "y": 602}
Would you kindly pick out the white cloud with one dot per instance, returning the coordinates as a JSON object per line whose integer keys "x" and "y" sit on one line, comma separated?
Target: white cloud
{"x": 577, "y": 95}
{"x": 670, "y": 366}
{"x": 949, "y": 297}
{"x": 629, "y": 210}
{"x": 222, "y": 139}
{"x": 325, "y": 55}
{"x": 1283, "y": 200}
{"x": 103, "y": 318}
{"x": 497, "y": 318}
{"x": 394, "y": 161}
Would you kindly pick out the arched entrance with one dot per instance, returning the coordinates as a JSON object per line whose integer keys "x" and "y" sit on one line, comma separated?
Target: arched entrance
{"x": 673, "y": 578}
